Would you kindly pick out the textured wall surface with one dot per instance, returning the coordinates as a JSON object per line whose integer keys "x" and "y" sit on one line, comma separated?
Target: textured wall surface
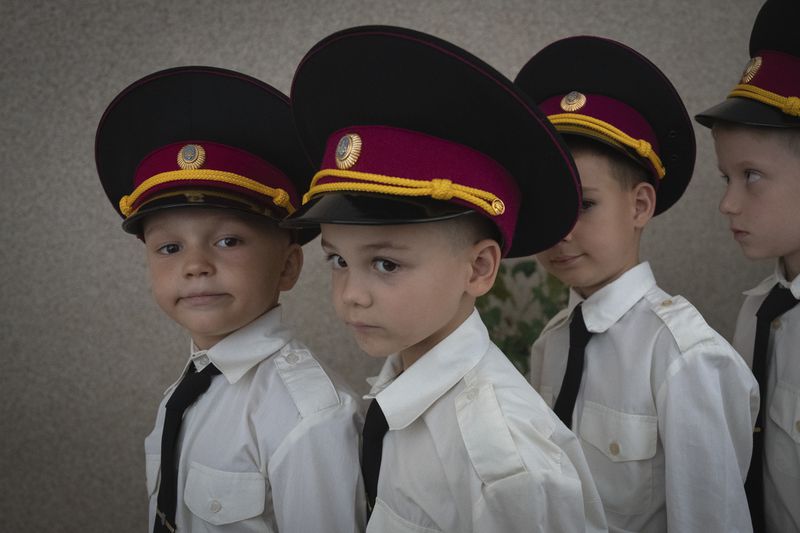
{"x": 85, "y": 352}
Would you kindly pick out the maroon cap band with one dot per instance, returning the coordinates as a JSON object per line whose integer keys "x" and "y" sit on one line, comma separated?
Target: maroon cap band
{"x": 611, "y": 112}
{"x": 209, "y": 166}
{"x": 772, "y": 78}
{"x": 396, "y": 161}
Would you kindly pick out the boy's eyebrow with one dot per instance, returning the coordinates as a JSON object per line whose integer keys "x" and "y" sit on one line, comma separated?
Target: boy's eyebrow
{"x": 382, "y": 245}
{"x": 590, "y": 189}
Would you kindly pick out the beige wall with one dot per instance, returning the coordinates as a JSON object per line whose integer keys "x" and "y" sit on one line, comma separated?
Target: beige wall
{"x": 86, "y": 354}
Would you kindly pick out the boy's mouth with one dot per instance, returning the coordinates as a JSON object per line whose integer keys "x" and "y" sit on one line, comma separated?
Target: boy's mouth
{"x": 739, "y": 234}
{"x": 201, "y": 298}
{"x": 565, "y": 260}
{"x": 360, "y": 327}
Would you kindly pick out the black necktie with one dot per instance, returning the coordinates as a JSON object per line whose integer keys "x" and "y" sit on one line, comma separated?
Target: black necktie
{"x": 578, "y": 339}
{"x": 375, "y": 427}
{"x": 186, "y": 393}
{"x": 778, "y": 301}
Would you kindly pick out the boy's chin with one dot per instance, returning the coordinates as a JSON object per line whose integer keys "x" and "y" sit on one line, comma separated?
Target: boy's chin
{"x": 755, "y": 254}
{"x": 373, "y": 351}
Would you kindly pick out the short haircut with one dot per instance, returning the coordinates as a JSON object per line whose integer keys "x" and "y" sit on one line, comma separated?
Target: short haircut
{"x": 624, "y": 168}
{"x": 788, "y": 137}
{"x": 470, "y": 228}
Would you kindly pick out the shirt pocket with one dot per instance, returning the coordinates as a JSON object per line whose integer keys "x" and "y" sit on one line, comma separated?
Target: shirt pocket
{"x": 384, "y": 520}
{"x": 152, "y": 469}
{"x": 621, "y": 456}
{"x": 784, "y": 449}
{"x": 220, "y": 497}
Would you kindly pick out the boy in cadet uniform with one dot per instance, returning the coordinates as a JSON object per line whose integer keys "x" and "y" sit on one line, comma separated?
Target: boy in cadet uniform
{"x": 255, "y": 436}
{"x": 757, "y": 138}
{"x": 661, "y": 403}
{"x": 433, "y": 167}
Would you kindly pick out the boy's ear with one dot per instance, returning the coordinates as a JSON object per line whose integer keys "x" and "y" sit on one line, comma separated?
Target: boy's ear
{"x": 485, "y": 263}
{"x": 292, "y": 266}
{"x": 644, "y": 198}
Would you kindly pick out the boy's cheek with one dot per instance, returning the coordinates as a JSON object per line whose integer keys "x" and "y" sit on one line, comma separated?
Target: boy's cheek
{"x": 543, "y": 259}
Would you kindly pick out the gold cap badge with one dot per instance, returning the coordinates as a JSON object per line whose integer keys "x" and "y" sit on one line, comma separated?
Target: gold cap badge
{"x": 191, "y": 157}
{"x": 751, "y": 69}
{"x": 573, "y": 101}
{"x": 348, "y": 150}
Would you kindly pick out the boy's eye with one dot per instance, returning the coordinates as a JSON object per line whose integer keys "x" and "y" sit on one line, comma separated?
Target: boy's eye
{"x": 337, "y": 261}
{"x": 228, "y": 242}
{"x": 587, "y": 204}
{"x": 168, "y": 249}
{"x": 384, "y": 266}
{"x": 751, "y": 176}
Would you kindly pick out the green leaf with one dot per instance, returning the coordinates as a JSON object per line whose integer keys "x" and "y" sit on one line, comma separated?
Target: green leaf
{"x": 500, "y": 289}
{"x": 527, "y": 268}
{"x": 515, "y": 311}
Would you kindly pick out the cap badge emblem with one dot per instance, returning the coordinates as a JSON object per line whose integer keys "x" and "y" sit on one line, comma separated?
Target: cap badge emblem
{"x": 573, "y": 101}
{"x": 191, "y": 157}
{"x": 751, "y": 69}
{"x": 348, "y": 150}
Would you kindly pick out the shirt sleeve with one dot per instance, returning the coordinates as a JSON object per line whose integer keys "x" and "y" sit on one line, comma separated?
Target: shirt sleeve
{"x": 706, "y": 410}
{"x": 534, "y": 475}
{"x": 316, "y": 476}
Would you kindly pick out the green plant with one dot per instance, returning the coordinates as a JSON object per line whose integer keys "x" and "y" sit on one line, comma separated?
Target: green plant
{"x": 520, "y": 304}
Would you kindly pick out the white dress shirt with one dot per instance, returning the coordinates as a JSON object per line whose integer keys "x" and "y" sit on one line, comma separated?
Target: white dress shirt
{"x": 782, "y": 408}
{"x": 665, "y": 410}
{"x": 273, "y": 445}
{"x": 471, "y": 447}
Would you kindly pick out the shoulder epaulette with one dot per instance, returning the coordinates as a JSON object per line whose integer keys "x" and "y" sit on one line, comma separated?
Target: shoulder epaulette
{"x": 307, "y": 382}
{"x": 683, "y": 320}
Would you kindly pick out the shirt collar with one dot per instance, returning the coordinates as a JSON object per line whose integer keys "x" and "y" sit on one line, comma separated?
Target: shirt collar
{"x": 403, "y": 397}
{"x": 605, "y": 307}
{"x": 246, "y": 347}
{"x": 779, "y": 277}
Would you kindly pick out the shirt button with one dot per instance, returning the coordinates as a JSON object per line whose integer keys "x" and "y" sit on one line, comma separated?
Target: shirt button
{"x": 292, "y": 358}
{"x": 776, "y": 323}
{"x": 202, "y": 360}
{"x": 472, "y": 394}
{"x": 666, "y": 303}
{"x": 215, "y": 506}
{"x": 614, "y": 448}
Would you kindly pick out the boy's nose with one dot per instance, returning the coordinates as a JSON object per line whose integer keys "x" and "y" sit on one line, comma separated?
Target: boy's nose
{"x": 197, "y": 264}
{"x": 353, "y": 292}
{"x": 730, "y": 203}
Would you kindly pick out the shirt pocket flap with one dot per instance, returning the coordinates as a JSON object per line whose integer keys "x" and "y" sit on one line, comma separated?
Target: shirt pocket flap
{"x": 619, "y": 436}
{"x": 785, "y": 410}
{"x": 220, "y": 497}
{"x": 152, "y": 469}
